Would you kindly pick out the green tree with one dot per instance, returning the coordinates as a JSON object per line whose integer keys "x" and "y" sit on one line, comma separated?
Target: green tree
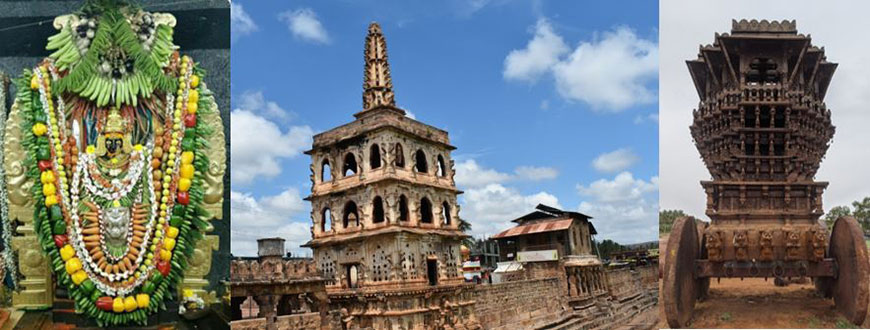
{"x": 862, "y": 212}
{"x": 836, "y": 212}
{"x": 667, "y": 218}
{"x": 606, "y": 247}
{"x": 465, "y": 227}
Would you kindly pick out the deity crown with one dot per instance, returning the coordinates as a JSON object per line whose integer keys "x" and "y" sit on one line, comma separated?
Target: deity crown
{"x": 115, "y": 123}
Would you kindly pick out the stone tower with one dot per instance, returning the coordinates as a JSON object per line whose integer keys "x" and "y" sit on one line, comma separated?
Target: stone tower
{"x": 384, "y": 212}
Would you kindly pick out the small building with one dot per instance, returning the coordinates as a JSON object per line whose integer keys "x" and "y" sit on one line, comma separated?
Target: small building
{"x": 486, "y": 252}
{"x": 552, "y": 242}
{"x": 547, "y": 233}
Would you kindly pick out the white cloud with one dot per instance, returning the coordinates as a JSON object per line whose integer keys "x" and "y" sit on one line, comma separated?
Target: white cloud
{"x": 623, "y": 187}
{"x": 612, "y": 73}
{"x": 469, "y": 174}
{"x": 534, "y": 173}
{"x": 625, "y": 223}
{"x": 240, "y": 23}
{"x": 624, "y": 209}
{"x": 489, "y": 205}
{"x": 615, "y": 161}
{"x": 287, "y": 202}
{"x": 545, "y": 105}
{"x": 539, "y": 56}
{"x": 468, "y": 8}
{"x": 270, "y": 216}
{"x": 256, "y": 102}
{"x": 652, "y": 118}
{"x": 258, "y": 145}
{"x": 409, "y": 114}
{"x": 490, "y": 209}
{"x": 303, "y": 23}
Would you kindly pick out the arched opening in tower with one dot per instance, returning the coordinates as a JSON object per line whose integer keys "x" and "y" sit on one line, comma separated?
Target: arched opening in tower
{"x": 425, "y": 210}
{"x": 351, "y": 216}
{"x": 350, "y": 166}
{"x": 325, "y": 171}
{"x": 403, "y": 208}
{"x": 445, "y": 213}
{"x": 400, "y": 156}
{"x": 325, "y": 220}
{"x": 420, "y": 159}
{"x": 378, "y": 210}
{"x": 442, "y": 168}
{"x": 375, "y": 156}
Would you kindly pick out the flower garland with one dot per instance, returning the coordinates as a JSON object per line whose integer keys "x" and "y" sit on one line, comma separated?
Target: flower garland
{"x": 9, "y": 257}
{"x": 91, "y": 266}
{"x": 118, "y": 187}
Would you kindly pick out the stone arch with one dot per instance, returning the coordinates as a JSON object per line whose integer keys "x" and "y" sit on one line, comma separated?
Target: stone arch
{"x": 420, "y": 163}
{"x": 400, "y": 156}
{"x": 375, "y": 156}
{"x": 445, "y": 213}
{"x": 325, "y": 220}
{"x": 442, "y": 167}
{"x": 425, "y": 210}
{"x": 350, "y": 165}
{"x": 351, "y": 214}
{"x": 378, "y": 210}
{"x": 325, "y": 171}
{"x": 403, "y": 208}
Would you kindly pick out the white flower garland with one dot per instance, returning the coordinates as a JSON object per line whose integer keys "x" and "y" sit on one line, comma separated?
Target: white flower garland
{"x": 119, "y": 188}
{"x": 89, "y": 265}
{"x": 86, "y": 160}
{"x": 9, "y": 262}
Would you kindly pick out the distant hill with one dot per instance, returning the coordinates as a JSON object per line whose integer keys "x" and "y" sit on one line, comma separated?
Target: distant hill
{"x": 643, "y": 246}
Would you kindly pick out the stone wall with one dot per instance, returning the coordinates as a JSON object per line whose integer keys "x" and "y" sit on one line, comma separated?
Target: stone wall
{"x": 275, "y": 270}
{"x": 624, "y": 283}
{"x": 307, "y": 321}
{"x": 518, "y": 304}
{"x": 544, "y": 302}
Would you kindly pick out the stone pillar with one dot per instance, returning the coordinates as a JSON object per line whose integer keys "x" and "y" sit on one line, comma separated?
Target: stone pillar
{"x": 599, "y": 280}
{"x": 572, "y": 282}
{"x": 267, "y": 304}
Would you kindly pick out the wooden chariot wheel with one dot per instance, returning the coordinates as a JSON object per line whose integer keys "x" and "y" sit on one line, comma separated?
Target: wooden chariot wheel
{"x": 681, "y": 289}
{"x": 851, "y": 288}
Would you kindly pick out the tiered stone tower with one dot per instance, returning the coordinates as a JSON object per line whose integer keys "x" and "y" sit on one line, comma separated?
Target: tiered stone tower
{"x": 385, "y": 228}
{"x": 762, "y": 129}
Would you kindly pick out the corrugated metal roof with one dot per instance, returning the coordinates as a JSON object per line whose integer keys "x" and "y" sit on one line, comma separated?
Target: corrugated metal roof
{"x": 538, "y": 227}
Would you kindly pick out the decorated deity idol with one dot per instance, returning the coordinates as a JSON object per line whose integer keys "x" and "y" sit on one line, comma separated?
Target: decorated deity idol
{"x": 115, "y": 129}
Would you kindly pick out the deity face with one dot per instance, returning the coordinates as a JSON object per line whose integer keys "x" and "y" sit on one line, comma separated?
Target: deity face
{"x": 114, "y": 142}
{"x": 114, "y": 145}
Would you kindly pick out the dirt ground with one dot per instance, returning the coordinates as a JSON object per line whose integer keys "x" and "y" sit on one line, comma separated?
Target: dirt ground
{"x": 754, "y": 303}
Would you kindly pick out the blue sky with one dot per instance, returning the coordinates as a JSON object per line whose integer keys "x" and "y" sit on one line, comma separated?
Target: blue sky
{"x": 547, "y": 103}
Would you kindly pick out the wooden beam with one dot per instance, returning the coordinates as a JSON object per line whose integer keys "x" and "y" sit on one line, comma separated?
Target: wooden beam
{"x": 727, "y": 59}
{"x": 710, "y": 67}
{"x": 798, "y": 63}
